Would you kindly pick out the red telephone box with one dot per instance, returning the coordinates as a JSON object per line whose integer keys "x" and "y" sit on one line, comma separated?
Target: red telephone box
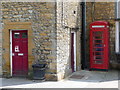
{"x": 99, "y": 45}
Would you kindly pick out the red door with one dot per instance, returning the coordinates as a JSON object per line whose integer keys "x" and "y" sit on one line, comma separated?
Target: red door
{"x": 72, "y": 52}
{"x": 99, "y": 45}
{"x": 99, "y": 52}
{"x": 19, "y": 53}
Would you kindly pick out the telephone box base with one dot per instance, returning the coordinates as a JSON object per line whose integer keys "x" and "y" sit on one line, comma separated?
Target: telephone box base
{"x": 94, "y": 69}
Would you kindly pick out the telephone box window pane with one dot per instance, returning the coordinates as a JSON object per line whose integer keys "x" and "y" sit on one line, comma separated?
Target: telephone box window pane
{"x": 24, "y": 35}
{"x": 16, "y": 35}
{"x": 98, "y": 49}
{"x": 99, "y": 33}
{"x": 98, "y": 37}
{"x": 98, "y": 53}
{"x": 98, "y": 45}
{"x": 98, "y": 41}
{"x": 98, "y": 62}
{"x": 98, "y": 57}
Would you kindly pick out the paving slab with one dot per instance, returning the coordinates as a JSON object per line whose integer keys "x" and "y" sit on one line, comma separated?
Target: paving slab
{"x": 81, "y": 79}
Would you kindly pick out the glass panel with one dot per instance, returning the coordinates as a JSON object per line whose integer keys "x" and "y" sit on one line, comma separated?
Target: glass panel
{"x": 24, "y": 35}
{"x": 98, "y": 37}
{"x": 98, "y": 62}
{"x": 98, "y": 57}
{"x": 98, "y": 41}
{"x": 16, "y": 35}
{"x": 98, "y": 45}
{"x": 99, "y": 33}
{"x": 98, "y": 49}
{"x": 98, "y": 53}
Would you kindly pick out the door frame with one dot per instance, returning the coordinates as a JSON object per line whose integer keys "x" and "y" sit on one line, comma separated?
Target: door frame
{"x": 11, "y": 30}
{"x": 74, "y": 44}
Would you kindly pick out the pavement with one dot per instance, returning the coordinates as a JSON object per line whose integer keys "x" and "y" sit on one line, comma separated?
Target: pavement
{"x": 79, "y": 79}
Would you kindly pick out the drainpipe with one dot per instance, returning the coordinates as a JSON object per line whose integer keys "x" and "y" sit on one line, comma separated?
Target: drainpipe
{"x": 83, "y": 36}
{"x": 117, "y": 29}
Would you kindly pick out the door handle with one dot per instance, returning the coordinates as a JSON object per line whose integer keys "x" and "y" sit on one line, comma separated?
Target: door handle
{"x": 20, "y": 54}
{"x": 13, "y": 54}
{"x": 104, "y": 45}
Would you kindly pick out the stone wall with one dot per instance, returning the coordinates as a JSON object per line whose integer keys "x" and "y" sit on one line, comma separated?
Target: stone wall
{"x": 42, "y": 17}
{"x": 52, "y": 23}
{"x": 103, "y": 11}
{"x": 0, "y": 41}
{"x": 63, "y": 44}
{"x": 67, "y": 18}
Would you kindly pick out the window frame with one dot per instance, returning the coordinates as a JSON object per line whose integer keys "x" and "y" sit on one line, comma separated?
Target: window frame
{"x": 117, "y": 9}
{"x": 117, "y": 33}
{"x": 117, "y": 37}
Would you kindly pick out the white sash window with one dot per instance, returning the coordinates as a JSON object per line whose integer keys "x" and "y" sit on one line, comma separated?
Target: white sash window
{"x": 118, "y": 27}
{"x": 118, "y": 9}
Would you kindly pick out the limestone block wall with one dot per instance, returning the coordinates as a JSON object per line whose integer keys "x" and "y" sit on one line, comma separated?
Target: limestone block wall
{"x": 67, "y": 16}
{"x": 41, "y": 15}
{"x": 0, "y": 41}
{"x": 72, "y": 16}
{"x": 50, "y": 37}
{"x": 103, "y": 11}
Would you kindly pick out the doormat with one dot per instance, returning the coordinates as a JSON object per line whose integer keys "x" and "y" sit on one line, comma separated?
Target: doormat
{"x": 77, "y": 76}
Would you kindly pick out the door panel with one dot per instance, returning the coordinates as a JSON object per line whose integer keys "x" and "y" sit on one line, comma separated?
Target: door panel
{"x": 99, "y": 49}
{"x": 19, "y": 53}
{"x": 72, "y": 51}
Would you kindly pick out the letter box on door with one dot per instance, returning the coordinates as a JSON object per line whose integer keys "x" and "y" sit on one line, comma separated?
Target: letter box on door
{"x": 99, "y": 45}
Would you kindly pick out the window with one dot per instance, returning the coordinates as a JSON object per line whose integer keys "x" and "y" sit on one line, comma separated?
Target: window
{"x": 117, "y": 27}
{"x": 118, "y": 9}
{"x": 117, "y": 37}
{"x": 16, "y": 35}
{"x": 24, "y": 35}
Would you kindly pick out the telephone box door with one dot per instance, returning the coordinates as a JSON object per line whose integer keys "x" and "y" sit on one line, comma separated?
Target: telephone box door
{"x": 99, "y": 45}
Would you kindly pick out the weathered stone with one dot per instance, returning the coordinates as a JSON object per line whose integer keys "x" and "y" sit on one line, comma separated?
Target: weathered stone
{"x": 51, "y": 77}
{"x": 18, "y": 9}
{"x": 46, "y": 52}
{"x": 6, "y": 9}
{"x": 23, "y": 12}
{"x": 103, "y": 11}
{"x": 51, "y": 40}
{"x": 43, "y": 34}
{"x": 5, "y": 17}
